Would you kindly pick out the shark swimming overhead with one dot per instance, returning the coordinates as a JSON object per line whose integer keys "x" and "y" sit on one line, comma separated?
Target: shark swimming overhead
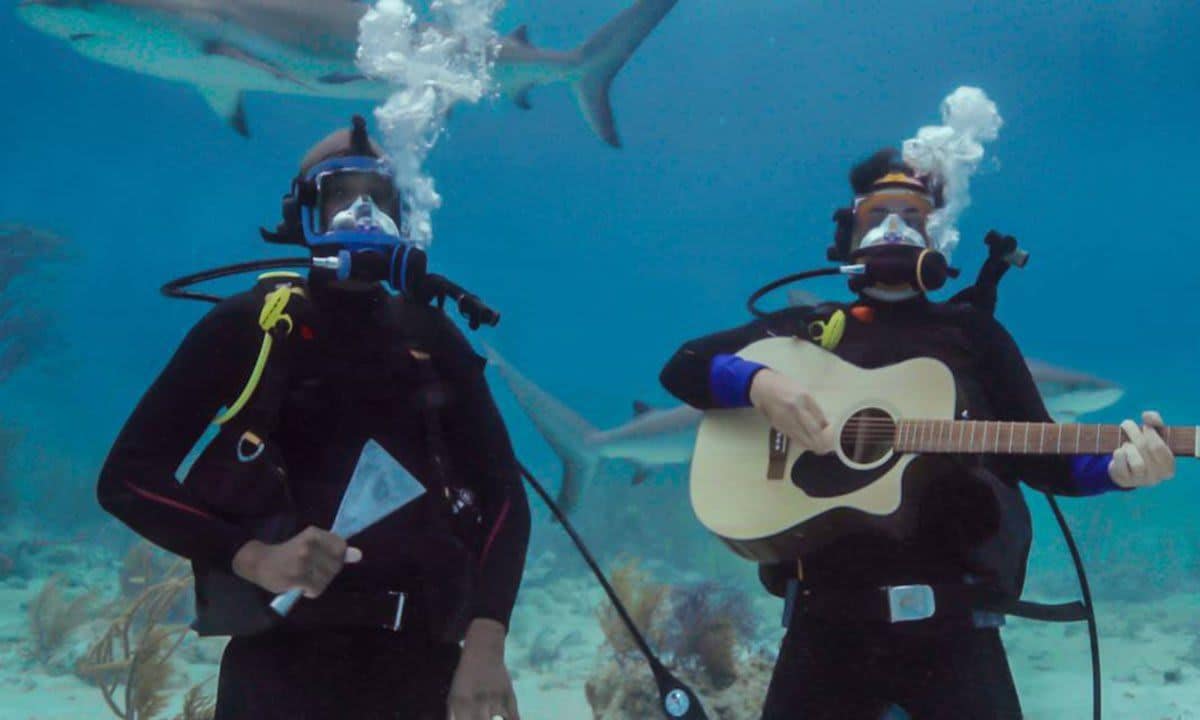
{"x": 225, "y": 48}
{"x": 658, "y": 438}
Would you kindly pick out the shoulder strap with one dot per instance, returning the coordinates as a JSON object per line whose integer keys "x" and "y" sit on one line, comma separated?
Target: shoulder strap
{"x": 461, "y": 502}
{"x": 276, "y": 324}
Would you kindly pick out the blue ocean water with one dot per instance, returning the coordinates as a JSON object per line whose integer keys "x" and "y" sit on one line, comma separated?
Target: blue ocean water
{"x": 739, "y": 120}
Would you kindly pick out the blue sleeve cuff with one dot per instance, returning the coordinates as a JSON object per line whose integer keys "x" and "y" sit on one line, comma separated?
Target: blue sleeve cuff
{"x": 729, "y": 379}
{"x": 1090, "y": 474}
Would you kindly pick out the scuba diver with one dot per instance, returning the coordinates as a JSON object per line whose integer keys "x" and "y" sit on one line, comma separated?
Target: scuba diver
{"x": 847, "y": 654}
{"x": 408, "y": 618}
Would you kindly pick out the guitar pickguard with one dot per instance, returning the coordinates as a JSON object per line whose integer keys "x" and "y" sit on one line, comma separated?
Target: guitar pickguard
{"x": 826, "y": 476}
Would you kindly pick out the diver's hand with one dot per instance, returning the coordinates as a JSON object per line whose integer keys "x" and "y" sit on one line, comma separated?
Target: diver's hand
{"x": 482, "y": 688}
{"x": 307, "y": 562}
{"x": 792, "y": 410}
{"x": 1143, "y": 460}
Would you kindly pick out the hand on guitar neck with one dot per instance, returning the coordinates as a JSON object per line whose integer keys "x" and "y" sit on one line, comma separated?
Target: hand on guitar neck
{"x": 792, "y": 410}
{"x": 1144, "y": 459}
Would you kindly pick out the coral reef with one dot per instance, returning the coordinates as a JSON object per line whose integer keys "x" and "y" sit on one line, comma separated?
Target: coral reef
{"x": 24, "y": 246}
{"x": 140, "y": 565}
{"x": 703, "y": 631}
{"x": 52, "y": 618}
{"x": 708, "y": 623}
{"x": 144, "y": 565}
{"x": 23, "y": 329}
{"x": 641, "y": 598}
{"x": 131, "y": 662}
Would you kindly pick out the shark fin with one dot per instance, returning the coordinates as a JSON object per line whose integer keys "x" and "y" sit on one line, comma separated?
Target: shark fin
{"x": 521, "y": 97}
{"x": 567, "y": 433}
{"x": 591, "y": 92}
{"x": 603, "y": 56}
{"x": 229, "y": 103}
{"x": 577, "y": 472}
{"x": 519, "y": 36}
{"x": 233, "y": 52}
{"x": 640, "y": 408}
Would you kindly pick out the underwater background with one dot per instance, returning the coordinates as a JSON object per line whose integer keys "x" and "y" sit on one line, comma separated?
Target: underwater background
{"x": 740, "y": 121}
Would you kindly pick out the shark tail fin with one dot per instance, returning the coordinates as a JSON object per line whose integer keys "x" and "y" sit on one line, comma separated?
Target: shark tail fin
{"x": 578, "y": 471}
{"x": 230, "y": 105}
{"x": 603, "y": 56}
{"x": 564, "y": 429}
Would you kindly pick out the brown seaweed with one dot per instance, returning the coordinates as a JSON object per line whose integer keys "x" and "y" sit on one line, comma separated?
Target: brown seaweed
{"x": 197, "y": 705}
{"x": 131, "y": 662}
{"x": 708, "y": 623}
{"x": 52, "y": 618}
{"x": 643, "y": 600}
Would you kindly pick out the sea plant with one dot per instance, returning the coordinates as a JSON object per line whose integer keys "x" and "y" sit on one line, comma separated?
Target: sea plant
{"x": 708, "y": 622}
{"x": 642, "y": 598}
{"x": 197, "y": 705}
{"x": 131, "y": 662}
{"x": 52, "y": 618}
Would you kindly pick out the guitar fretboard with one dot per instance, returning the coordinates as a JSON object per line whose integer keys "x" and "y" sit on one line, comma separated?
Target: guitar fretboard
{"x": 979, "y": 436}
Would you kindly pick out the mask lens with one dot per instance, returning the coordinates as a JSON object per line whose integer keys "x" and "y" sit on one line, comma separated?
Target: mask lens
{"x": 339, "y": 190}
{"x": 909, "y": 207}
{"x": 876, "y": 212}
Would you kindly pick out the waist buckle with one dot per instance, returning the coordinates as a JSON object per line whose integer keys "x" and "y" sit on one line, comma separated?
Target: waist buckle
{"x": 908, "y": 603}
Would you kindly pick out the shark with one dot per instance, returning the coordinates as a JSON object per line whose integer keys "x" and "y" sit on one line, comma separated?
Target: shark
{"x": 1069, "y": 394}
{"x": 658, "y": 438}
{"x": 226, "y": 48}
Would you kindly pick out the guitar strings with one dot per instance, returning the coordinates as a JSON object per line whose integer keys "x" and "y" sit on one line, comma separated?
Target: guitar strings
{"x": 940, "y": 433}
{"x": 885, "y": 429}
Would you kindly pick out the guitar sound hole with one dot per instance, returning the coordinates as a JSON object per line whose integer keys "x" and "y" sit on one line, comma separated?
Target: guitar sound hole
{"x": 867, "y": 436}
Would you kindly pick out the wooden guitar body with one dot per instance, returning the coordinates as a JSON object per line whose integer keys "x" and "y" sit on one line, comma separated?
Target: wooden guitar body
{"x": 771, "y": 502}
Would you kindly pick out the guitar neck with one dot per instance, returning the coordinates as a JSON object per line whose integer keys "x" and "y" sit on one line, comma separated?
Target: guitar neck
{"x": 1022, "y": 438}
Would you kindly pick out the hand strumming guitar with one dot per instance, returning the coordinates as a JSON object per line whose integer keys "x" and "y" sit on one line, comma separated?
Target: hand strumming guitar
{"x": 792, "y": 410}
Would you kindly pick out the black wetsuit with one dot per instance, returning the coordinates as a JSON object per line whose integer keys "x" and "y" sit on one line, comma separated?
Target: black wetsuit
{"x": 346, "y": 374}
{"x": 972, "y": 521}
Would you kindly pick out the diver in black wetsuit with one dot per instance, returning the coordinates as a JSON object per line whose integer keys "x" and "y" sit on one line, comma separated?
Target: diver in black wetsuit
{"x": 844, "y": 656}
{"x": 378, "y": 635}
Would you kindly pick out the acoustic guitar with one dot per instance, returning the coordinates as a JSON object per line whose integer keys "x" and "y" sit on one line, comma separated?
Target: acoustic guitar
{"x": 771, "y": 501}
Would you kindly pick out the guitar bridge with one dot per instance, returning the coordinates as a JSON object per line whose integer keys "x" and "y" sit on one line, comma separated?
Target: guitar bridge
{"x": 777, "y": 455}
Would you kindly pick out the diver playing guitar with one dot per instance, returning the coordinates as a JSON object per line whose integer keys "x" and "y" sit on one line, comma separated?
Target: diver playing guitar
{"x": 824, "y": 457}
